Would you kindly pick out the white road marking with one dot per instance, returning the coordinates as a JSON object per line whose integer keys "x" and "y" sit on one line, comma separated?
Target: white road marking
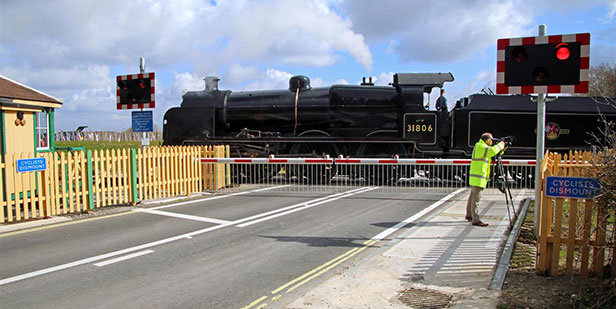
{"x": 219, "y": 197}
{"x": 183, "y": 216}
{"x": 213, "y": 228}
{"x": 310, "y": 204}
{"x": 107, "y": 255}
{"x": 123, "y": 258}
{"x": 291, "y": 207}
{"x": 416, "y": 216}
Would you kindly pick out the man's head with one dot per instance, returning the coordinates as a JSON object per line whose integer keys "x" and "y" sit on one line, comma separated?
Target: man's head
{"x": 487, "y": 138}
{"x": 442, "y": 91}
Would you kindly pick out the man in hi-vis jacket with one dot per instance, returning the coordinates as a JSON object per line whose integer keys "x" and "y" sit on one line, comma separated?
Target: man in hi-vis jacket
{"x": 479, "y": 174}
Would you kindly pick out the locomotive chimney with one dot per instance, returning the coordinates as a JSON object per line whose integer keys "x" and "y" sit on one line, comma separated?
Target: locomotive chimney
{"x": 211, "y": 83}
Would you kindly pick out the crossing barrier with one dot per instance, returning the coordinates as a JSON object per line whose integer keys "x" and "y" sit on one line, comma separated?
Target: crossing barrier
{"x": 390, "y": 173}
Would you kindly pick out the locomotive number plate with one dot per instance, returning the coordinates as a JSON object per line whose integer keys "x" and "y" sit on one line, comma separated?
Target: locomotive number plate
{"x": 420, "y": 128}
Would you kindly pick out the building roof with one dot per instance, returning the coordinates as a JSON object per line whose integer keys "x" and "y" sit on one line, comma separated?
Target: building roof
{"x": 10, "y": 89}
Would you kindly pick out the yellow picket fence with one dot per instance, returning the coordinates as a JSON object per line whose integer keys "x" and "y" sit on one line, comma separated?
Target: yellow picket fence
{"x": 573, "y": 233}
{"x": 59, "y": 189}
{"x": 168, "y": 171}
{"x": 78, "y": 181}
{"x": 111, "y": 177}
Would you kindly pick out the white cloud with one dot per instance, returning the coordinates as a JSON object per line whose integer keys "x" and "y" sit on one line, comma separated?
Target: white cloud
{"x": 167, "y": 33}
{"x": 483, "y": 80}
{"x": 239, "y": 74}
{"x": 183, "y": 82}
{"x": 384, "y": 79}
{"x": 611, "y": 9}
{"x": 59, "y": 79}
{"x": 270, "y": 79}
{"x": 288, "y": 32}
{"x": 436, "y": 31}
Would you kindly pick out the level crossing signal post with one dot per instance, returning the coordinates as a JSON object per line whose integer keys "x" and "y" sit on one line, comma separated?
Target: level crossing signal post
{"x": 541, "y": 65}
{"x": 136, "y": 91}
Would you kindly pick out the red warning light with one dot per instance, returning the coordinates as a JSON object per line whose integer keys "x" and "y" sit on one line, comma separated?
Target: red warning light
{"x": 562, "y": 51}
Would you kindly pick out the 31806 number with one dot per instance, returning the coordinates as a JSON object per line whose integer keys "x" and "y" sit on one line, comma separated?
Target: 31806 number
{"x": 418, "y": 128}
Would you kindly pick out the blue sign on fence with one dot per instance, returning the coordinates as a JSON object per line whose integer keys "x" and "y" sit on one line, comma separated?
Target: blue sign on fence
{"x": 142, "y": 121}
{"x": 572, "y": 187}
{"x": 31, "y": 165}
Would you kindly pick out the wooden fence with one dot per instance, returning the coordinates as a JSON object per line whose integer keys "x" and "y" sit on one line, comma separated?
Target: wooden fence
{"x": 79, "y": 181}
{"x": 573, "y": 233}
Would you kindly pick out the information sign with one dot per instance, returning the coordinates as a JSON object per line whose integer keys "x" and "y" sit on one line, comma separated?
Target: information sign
{"x": 572, "y": 187}
{"x": 31, "y": 165}
{"x": 142, "y": 121}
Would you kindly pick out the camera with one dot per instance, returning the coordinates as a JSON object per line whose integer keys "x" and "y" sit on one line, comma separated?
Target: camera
{"x": 508, "y": 140}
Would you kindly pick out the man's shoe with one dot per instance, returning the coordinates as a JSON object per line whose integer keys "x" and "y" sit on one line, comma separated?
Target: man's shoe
{"x": 468, "y": 219}
{"x": 480, "y": 224}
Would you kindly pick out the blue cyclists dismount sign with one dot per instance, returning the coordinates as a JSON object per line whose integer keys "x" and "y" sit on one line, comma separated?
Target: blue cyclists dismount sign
{"x": 572, "y": 187}
{"x": 31, "y": 165}
{"x": 142, "y": 121}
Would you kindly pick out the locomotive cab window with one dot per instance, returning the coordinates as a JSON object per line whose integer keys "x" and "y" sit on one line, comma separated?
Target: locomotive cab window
{"x": 42, "y": 130}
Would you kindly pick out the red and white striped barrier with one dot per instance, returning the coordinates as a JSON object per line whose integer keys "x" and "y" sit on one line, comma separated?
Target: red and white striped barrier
{"x": 269, "y": 160}
{"x": 358, "y": 161}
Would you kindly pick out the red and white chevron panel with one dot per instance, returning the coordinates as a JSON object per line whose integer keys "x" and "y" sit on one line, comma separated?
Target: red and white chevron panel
{"x": 140, "y": 105}
{"x": 582, "y": 87}
{"x": 357, "y": 161}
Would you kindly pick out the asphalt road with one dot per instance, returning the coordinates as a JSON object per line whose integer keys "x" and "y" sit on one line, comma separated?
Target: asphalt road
{"x": 229, "y": 251}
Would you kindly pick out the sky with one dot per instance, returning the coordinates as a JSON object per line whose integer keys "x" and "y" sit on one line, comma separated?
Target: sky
{"x": 74, "y": 49}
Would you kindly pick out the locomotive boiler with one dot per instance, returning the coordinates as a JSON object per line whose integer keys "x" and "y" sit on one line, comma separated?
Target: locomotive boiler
{"x": 373, "y": 121}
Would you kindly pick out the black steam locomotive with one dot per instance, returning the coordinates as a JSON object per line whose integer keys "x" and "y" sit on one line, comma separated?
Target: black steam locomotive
{"x": 373, "y": 121}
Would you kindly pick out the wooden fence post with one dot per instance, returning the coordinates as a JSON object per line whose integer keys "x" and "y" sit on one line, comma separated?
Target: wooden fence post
{"x": 89, "y": 180}
{"x": 133, "y": 175}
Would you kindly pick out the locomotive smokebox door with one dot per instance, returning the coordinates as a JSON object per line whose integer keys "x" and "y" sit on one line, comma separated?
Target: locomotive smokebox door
{"x": 420, "y": 128}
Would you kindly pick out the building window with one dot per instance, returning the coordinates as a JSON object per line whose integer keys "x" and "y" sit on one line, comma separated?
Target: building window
{"x": 42, "y": 130}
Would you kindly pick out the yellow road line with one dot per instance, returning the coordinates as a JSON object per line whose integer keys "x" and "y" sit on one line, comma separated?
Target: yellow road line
{"x": 40, "y": 228}
{"x": 314, "y": 270}
{"x": 331, "y": 266}
{"x": 254, "y": 303}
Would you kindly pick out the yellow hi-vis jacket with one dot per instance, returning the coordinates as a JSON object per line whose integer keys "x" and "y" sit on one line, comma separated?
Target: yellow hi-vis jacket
{"x": 480, "y": 163}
